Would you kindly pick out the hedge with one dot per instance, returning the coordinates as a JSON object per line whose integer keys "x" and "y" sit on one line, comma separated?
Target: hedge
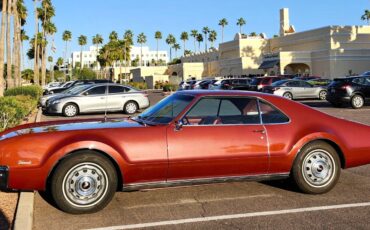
{"x": 33, "y": 91}
{"x": 138, "y": 85}
{"x": 170, "y": 87}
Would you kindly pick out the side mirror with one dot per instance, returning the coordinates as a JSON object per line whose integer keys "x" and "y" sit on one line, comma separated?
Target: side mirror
{"x": 178, "y": 125}
{"x": 85, "y": 93}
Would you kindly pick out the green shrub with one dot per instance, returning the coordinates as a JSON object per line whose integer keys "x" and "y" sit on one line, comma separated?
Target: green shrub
{"x": 13, "y": 109}
{"x": 33, "y": 91}
{"x": 138, "y": 85}
{"x": 169, "y": 87}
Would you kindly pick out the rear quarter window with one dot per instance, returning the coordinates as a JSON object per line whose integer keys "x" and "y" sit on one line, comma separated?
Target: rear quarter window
{"x": 271, "y": 115}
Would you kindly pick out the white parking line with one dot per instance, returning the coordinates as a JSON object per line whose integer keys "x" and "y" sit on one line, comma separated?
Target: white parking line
{"x": 235, "y": 216}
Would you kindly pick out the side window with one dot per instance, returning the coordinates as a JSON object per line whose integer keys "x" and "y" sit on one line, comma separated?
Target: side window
{"x": 116, "y": 89}
{"x": 360, "y": 80}
{"x": 368, "y": 81}
{"x": 271, "y": 115}
{"x": 97, "y": 90}
{"x": 205, "y": 108}
{"x": 304, "y": 84}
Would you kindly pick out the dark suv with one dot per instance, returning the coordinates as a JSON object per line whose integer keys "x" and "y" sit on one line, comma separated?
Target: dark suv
{"x": 259, "y": 82}
{"x": 353, "y": 90}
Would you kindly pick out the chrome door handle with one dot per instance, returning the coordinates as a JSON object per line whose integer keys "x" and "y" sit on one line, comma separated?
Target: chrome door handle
{"x": 259, "y": 131}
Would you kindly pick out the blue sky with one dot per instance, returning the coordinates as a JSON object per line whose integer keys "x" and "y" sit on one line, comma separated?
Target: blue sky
{"x": 89, "y": 17}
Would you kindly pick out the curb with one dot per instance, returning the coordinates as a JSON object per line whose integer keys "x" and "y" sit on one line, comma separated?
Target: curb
{"x": 24, "y": 215}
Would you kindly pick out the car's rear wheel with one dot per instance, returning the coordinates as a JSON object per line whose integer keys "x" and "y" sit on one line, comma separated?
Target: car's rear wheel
{"x": 130, "y": 107}
{"x": 70, "y": 110}
{"x": 288, "y": 95}
{"x": 322, "y": 94}
{"x": 83, "y": 183}
{"x": 357, "y": 101}
{"x": 316, "y": 169}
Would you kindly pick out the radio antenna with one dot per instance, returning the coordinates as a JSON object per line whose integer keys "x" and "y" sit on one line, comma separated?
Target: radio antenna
{"x": 106, "y": 100}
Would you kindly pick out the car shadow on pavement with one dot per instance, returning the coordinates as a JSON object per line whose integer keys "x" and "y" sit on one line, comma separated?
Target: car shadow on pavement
{"x": 4, "y": 223}
{"x": 283, "y": 184}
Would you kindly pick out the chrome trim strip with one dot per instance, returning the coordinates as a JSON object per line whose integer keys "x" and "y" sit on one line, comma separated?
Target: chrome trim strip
{"x": 188, "y": 182}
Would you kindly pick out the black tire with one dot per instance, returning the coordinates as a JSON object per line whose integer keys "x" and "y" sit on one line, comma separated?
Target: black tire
{"x": 317, "y": 168}
{"x": 322, "y": 95}
{"x": 357, "y": 101}
{"x": 130, "y": 107}
{"x": 69, "y": 108}
{"x": 87, "y": 175}
{"x": 288, "y": 95}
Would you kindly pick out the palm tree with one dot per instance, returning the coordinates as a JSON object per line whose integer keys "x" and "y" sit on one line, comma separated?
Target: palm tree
{"x": 241, "y": 22}
{"x": 2, "y": 39}
{"x": 9, "y": 79}
{"x": 170, "y": 40}
{"x": 50, "y": 60}
{"x": 158, "y": 36}
{"x": 20, "y": 16}
{"x": 194, "y": 34}
{"x": 176, "y": 47}
{"x": 82, "y": 41}
{"x": 113, "y": 36}
{"x": 184, "y": 37}
{"x": 366, "y": 16}
{"x": 212, "y": 37}
{"x": 49, "y": 29}
{"x": 129, "y": 41}
{"x": 35, "y": 45}
{"x": 199, "y": 39}
{"x": 60, "y": 61}
{"x": 97, "y": 40}
{"x": 223, "y": 22}
{"x": 205, "y": 30}
{"x": 24, "y": 37}
{"x": 67, "y": 37}
{"x": 253, "y": 34}
{"x": 141, "y": 39}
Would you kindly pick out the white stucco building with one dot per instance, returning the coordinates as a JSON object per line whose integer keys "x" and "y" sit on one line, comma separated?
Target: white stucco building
{"x": 148, "y": 56}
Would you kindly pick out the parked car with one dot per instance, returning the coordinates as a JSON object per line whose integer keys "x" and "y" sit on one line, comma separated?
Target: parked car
{"x": 352, "y": 90}
{"x": 71, "y": 90}
{"x": 296, "y": 89}
{"x": 365, "y": 74}
{"x": 232, "y": 84}
{"x": 259, "y": 82}
{"x": 70, "y": 84}
{"x": 306, "y": 78}
{"x": 190, "y": 137}
{"x": 204, "y": 84}
{"x": 52, "y": 85}
{"x": 186, "y": 85}
{"x": 96, "y": 99}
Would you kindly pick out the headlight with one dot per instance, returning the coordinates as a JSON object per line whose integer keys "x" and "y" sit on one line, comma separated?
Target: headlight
{"x": 55, "y": 102}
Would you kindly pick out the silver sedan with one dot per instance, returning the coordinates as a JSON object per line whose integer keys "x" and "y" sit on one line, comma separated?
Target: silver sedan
{"x": 296, "y": 89}
{"x": 99, "y": 98}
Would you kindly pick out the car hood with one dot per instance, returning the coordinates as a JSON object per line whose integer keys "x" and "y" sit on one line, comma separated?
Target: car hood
{"x": 67, "y": 125}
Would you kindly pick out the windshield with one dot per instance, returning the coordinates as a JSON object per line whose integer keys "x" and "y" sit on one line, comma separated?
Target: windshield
{"x": 166, "y": 110}
{"x": 76, "y": 89}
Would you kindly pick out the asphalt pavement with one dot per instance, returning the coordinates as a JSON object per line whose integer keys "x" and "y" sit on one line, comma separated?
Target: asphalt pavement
{"x": 241, "y": 205}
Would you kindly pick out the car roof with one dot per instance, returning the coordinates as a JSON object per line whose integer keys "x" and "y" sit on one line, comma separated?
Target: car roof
{"x": 222, "y": 93}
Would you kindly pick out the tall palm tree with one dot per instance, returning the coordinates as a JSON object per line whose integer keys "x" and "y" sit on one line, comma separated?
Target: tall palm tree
{"x": 205, "y": 30}
{"x": 223, "y": 22}
{"x": 2, "y": 39}
{"x": 366, "y": 16}
{"x": 82, "y": 41}
{"x": 170, "y": 40}
{"x": 199, "y": 39}
{"x": 9, "y": 78}
{"x": 67, "y": 37}
{"x": 97, "y": 40}
{"x": 184, "y": 37}
{"x": 212, "y": 37}
{"x": 129, "y": 41}
{"x": 176, "y": 47}
{"x": 50, "y": 29}
{"x": 24, "y": 37}
{"x": 241, "y": 22}
{"x": 50, "y": 60}
{"x": 113, "y": 36}
{"x": 36, "y": 50}
{"x": 141, "y": 39}
{"x": 194, "y": 34}
{"x": 20, "y": 16}
{"x": 60, "y": 61}
{"x": 158, "y": 36}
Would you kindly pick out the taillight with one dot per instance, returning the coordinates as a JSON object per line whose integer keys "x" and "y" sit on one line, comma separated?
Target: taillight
{"x": 345, "y": 87}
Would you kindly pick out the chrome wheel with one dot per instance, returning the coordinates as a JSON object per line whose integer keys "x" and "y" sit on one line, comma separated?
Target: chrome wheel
{"x": 322, "y": 95}
{"x": 70, "y": 110}
{"x": 318, "y": 168}
{"x": 85, "y": 185}
{"x": 288, "y": 96}
{"x": 131, "y": 107}
{"x": 357, "y": 101}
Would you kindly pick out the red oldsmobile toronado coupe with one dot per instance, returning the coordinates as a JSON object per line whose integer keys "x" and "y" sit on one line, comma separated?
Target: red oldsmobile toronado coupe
{"x": 190, "y": 137}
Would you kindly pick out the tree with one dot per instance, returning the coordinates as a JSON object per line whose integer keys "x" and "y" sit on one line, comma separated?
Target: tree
{"x": 2, "y": 39}
{"x": 199, "y": 39}
{"x": 205, "y": 30}
{"x": 241, "y": 22}
{"x": 184, "y": 37}
{"x": 223, "y": 22}
{"x": 20, "y": 16}
{"x": 212, "y": 37}
{"x": 176, "y": 47}
{"x": 50, "y": 60}
{"x": 366, "y": 16}
{"x": 67, "y": 37}
{"x": 9, "y": 79}
{"x": 194, "y": 34}
{"x": 50, "y": 29}
{"x": 60, "y": 61}
{"x": 97, "y": 40}
{"x": 253, "y": 34}
{"x": 113, "y": 36}
{"x": 24, "y": 37}
{"x": 128, "y": 41}
{"x": 170, "y": 40}
{"x": 82, "y": 41}
{"x": 35, "y": 45}
{"x": 141, "y": 39}
{"x": 187, "y": 53}
{"x": 158, "y": 36}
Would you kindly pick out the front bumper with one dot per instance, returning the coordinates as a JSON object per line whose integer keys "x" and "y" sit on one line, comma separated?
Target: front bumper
{"x": 4, "y": 173}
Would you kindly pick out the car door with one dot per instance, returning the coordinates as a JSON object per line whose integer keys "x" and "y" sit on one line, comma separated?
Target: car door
{"x": 220, "y": 137}
{"x": 309, "y": 90}
{"x": 93, "y": 100}
{"x": 294, "y": 88}
{"x": 116, "y": 97}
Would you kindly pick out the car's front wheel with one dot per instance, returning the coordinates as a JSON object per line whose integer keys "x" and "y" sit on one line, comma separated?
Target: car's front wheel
{"x": 84, "y": 182}
{"x": 357, "y": 101}
{"x": 322, "y": 95}
{"x": 130, "y": 107}
{"x": 288, "y": 95}
{"x": 316, "y": 168}
{"x": 70, "y": 110}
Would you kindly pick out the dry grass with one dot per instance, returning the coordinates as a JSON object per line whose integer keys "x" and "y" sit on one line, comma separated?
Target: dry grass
{"x": 8, "y": 204}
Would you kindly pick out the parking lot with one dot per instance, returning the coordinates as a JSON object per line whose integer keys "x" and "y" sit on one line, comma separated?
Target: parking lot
{"x": 242, "y": 205}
